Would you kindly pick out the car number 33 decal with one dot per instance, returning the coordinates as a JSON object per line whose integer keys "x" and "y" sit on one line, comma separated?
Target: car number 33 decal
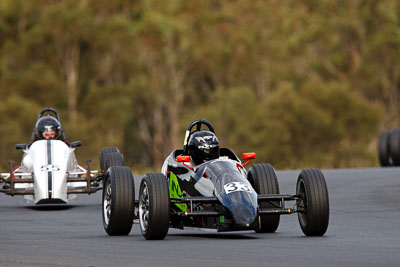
{"x": 236, "y": 186}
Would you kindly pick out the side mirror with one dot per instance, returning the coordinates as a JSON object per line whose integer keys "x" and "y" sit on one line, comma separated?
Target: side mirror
{"x": 249, "y": 155}
{"x": 75, "y": 144}
{"x": 21, "y": 146}
{"x": 183, "y": 158}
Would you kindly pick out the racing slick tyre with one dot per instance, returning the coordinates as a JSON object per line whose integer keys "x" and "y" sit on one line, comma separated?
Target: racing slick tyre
{"x": 314, "y": 205}
{"x": 118, "y": 201}
{"x": 114, "y": 159}
{"x": 102, "y": 156}
{"x": 384, "y": 149}
{"x": 264, "y": 181}
{"x": 395, "y": 146}
{"x": 154, "y": 205}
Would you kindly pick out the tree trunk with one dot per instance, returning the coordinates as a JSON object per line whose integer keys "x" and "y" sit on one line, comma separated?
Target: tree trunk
{"x": 175, "y": 76}
{"x": 158, "y": 137}
{"x": 71, "y": 64}
{"x": 169, "y": 94}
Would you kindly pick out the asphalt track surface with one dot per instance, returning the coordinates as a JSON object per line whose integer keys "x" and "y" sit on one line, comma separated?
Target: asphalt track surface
{"x": 364, "y": 230}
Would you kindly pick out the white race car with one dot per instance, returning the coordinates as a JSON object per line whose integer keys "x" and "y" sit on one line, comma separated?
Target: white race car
{"x": 49, "y": 172}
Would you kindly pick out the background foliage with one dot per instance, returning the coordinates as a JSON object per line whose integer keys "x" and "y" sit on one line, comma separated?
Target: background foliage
{"x": 302, "y": 83}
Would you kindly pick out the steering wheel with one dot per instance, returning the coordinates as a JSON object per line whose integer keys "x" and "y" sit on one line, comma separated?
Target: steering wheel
{"x": 197, "y": 125}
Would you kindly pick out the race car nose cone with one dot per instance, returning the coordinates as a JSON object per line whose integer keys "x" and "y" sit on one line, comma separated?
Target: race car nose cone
{"x": 244, "y": 215}
{"x": 237, "y": 196}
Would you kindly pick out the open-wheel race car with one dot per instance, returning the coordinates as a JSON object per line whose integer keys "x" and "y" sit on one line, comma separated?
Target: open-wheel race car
{"x": 206, "y": 187}
{"x": 49, "y": 172}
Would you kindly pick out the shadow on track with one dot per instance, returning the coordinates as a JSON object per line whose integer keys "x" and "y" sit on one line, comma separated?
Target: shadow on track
{"x": 216, "y": 236}
{"x": 49, "y": 207}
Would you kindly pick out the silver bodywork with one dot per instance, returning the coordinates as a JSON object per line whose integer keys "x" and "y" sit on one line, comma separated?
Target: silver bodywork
{"x": 49, "y": 173}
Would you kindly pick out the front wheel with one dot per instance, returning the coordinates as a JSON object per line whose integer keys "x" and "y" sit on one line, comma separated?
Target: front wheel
{"x": 314, "y": 202}
{"x": 395, "y": 146}
{"x": 384, "y": 149}
{"x": 154, "y": 205}
{"x": 118, "y": 201}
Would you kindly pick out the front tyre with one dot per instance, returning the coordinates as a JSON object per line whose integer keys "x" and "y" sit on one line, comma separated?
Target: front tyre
{"x": 264, "y": 181}
{"x": 154, "y": 206}
{"x": 118, "y": 201}
{"x": 384, "y": 149}
{"x": 395, "y": 146}
{"x": 314, "y": 203}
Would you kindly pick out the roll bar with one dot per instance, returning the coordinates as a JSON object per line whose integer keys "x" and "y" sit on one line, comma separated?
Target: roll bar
{"x": 189, "y": 132}
{"x": 49, "y": 110}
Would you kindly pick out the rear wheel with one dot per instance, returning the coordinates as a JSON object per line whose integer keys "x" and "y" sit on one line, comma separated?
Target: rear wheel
{"x": 118, "y": 201}
{"x": 384, "y": 149}
{"x": 154, "y": 205}
{"x": 264, "y": 181}
{"x": 114, "y": 159}
{"x": 395, "y": 146}
{"x": 102, "y": 156}
{"x": 314, "y": 203}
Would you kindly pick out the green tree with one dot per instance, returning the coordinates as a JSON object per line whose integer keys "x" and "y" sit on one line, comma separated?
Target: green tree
{"x": 134, "y": 73}
{"x": 319, "y": 125}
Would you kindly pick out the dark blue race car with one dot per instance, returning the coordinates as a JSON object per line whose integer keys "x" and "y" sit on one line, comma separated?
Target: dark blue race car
{"x": 215, "y": 193}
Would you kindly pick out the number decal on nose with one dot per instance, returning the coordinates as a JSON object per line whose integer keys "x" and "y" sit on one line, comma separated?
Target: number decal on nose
{"x": 49, "y": 168}
{"x": 236, "y": 186}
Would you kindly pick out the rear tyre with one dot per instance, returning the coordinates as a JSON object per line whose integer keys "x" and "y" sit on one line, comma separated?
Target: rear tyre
{"x": 114, "y": 159}
{"x": 264, "y": 181}
{"x": 118, "y": 201}
{"x": 395, "y": 146}
{"x": 314, "y": 218}
{"x": 384, "y": 149}
{"x": 102, "y": 156}
{"x": 154, "y": 205}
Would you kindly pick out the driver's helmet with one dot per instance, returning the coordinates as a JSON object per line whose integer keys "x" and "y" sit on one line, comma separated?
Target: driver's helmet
{"x": 203, "y": 146}
{"x": 48, "y": 128}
